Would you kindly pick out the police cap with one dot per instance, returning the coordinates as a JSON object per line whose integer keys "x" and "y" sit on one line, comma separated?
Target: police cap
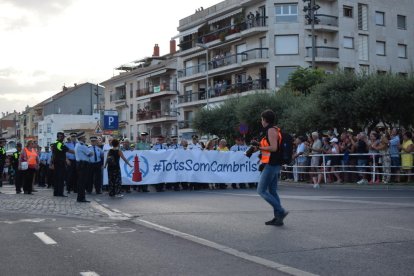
{"x": 174, "y": 137}
{"x": 73, "y": 134}
{"x": 60, "y": 133}
{"x": 18, "y": 145}
{"x": 80, "y": 134}
{"x": 195, "y": 136}
{"x": 144, "y": 133}
{"x": 93, "y": 138}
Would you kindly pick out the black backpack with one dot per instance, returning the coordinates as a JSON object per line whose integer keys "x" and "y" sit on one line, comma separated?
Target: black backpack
{"x": 285, "y": 148}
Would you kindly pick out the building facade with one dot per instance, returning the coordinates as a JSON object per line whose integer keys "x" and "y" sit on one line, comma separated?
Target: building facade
{"x": 145, "y": 96}
{"x": 237, "y": 47}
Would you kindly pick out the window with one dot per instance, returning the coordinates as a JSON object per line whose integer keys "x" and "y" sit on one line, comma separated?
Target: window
{"x": 380, "y": 18}
{"x": 362, "y": 17}
{"x": 348, "y": 42}
{"x": 49, "y": 128}
{"x": 287, "y": 44}
{"x": 348, "y": 11}
{"x": 131, "y": 91}
{"x": 349, "y": 69}
{"x": 364, "y": 68}
{"x": 381, "y": 72}
{"x": 131, "y": 111}
{"x": 49, "y": 141}
{"x": 286, "y": 13}
{"x": 402, "y": 51}
{"x": 363, "y": 47}
{"x": 401, "y": 22}
{"x": 380, "y": 48}
{"x": 282, "y": 75}
{"x": 40, "y": 128}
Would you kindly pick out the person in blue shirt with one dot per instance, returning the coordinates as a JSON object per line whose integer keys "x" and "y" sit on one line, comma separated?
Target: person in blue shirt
{"x": 71, "y": 171}
{"x": 82, "y": 155}
{"x": 44, "y": 166}
{"x": 95, "y": 164}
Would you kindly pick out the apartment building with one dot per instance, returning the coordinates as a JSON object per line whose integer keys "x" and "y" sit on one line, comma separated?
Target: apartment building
{"x": 145, "y": 96}
{"x": 237, "y": 47}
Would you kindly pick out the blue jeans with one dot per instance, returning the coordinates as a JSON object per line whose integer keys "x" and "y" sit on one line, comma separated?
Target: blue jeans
{"x": 267, "y": 186}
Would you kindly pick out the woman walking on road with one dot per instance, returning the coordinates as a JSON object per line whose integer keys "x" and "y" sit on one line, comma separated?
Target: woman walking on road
{"x": 114, "y": 169}
{"x": 271, "y": 160}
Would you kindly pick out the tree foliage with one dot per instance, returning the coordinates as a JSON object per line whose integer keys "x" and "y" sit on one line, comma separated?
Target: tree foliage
{"x": 341, "y": 100}
{"x": 303, "y": 79}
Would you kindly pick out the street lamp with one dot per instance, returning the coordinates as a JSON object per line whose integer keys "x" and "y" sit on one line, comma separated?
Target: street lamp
{"x": 205, "y": 47}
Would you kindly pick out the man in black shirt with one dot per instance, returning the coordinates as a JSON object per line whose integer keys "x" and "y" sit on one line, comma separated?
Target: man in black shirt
{"x": 59, "y": 163}
{"x": 15, "y": 164}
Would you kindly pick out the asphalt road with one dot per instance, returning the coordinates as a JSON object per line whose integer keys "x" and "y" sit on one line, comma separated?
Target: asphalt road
{"x": 330, "y": 231}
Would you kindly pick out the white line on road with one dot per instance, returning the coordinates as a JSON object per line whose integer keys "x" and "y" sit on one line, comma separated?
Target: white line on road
{"x": 89, "y": 273}
{"x": 258, "y": 260}
{"x": 110, "y": 213}
{"x": 45, "y": 238}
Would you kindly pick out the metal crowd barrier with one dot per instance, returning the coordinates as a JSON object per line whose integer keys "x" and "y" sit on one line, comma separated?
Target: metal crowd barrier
{"x": 373, "y": 169}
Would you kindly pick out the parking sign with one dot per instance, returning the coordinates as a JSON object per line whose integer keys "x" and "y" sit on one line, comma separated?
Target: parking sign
{"x": 110, "y": 119}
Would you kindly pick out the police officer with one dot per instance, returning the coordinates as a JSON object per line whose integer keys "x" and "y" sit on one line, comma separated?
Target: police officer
{"x": 143, "y": 144}
{"x": 194, "y": 144}
{"x": 71, "y": 177}
{"x": 50, "y": 171}
{"x": 44, "y": 167}
{"x": 174, "y": 146}
{"x": 2, "y": 159}
{"x": 159, "y": 145}
{"x": 18, "y": 180}
{"x": 239, "y": 146}
{"x": 82, "y": 155}
{"x": 95, "y": 171}
{"x": 59, "y": 150}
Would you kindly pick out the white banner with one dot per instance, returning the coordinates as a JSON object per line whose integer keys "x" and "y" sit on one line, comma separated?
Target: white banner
{"x": 196, "y": 166}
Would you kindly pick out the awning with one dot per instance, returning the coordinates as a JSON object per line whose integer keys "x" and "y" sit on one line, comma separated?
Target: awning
{"x": 189, "y": 31}
{"x": 151, "y": 74}
{"x": 224, "y": 16}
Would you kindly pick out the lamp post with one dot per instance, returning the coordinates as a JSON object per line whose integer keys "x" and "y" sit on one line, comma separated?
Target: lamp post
{"x": 311, "y": 8}
{"x": 207, "y": 80}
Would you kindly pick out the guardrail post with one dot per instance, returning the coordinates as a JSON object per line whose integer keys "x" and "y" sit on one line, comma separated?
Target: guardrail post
{"x": 373, "y": 169}
{"x": 324, "y": 168}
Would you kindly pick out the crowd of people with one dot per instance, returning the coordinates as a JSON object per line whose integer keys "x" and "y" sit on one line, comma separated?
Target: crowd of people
{"x": 383, "y": 155}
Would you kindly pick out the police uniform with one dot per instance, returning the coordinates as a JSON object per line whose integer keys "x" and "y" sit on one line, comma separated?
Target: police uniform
{"x": 195, "y": 145}
{"x": 95, "y": 163}
{"x": 44, "y": 167}
{"x": 2, "y": 159}
{"x": 71, "y": 177}
{"x": 174, "y": 146}
{"x": 18, "y": 181}
{"x": 59, "y": 151}
{"x": 82, "y": 155}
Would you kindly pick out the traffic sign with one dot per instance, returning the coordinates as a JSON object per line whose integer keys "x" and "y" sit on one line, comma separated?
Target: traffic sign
{"x": 110, "y": 120}
{"x": 98, "y": 129}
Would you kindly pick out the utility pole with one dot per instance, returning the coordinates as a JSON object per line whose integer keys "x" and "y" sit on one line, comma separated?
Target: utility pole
{"x": 311, "y": 19}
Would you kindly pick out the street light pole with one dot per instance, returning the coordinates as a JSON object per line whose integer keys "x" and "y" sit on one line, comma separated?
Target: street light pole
{"x": 311, "y": 8}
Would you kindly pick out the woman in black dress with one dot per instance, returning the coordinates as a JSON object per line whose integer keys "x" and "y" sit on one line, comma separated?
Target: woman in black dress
{"x": 114, "y": 170}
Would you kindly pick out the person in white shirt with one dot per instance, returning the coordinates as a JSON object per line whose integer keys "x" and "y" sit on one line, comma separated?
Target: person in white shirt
{"x": 194, "y": 144}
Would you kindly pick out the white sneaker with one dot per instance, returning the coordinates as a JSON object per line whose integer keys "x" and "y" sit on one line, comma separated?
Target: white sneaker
{"x": 360, "y": 182}
{"x": 316, "y": 186}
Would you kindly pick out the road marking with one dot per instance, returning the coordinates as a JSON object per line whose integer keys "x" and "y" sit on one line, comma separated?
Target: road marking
{"x": 116, "y": 210}
{"x": 228, "y": 250}
{"x": 45, "y": 238}
{"x": 34, "y": 220}
{"x": 110, "y": 213}
{"x": 89, "y": 273}
{"x": 401, "y": 228}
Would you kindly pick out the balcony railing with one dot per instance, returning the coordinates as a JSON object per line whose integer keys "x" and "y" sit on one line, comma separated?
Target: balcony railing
{"x": 156, "y": 89}
{"x": 329, "y": 20}
{"x": 323, "y": 52}
{"x": 154, "y": 114}
{"x": 119, "y": 97}
{"x": 223, "y": 89}
{"x": 222, "y": 33}
{"x": 220, "y": 61}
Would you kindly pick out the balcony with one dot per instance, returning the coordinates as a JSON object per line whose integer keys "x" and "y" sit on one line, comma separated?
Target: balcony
{"x": 323, "y": 54}
{"x": 199, "y": 97}
{"x": 327, "y": 23}
{"x": 243, "y": 29}
{"x": 151, "y": 116}
{"x": 157, "y": 91}
{"x": 225, "y": 63}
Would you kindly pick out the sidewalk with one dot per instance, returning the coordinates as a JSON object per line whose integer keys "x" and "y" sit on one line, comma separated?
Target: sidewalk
{"x": 381, "y": 186}
{"x": 43, "y": 202}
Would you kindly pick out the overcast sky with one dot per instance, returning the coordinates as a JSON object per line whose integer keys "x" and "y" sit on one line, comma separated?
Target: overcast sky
{"x": 48, "y": 43}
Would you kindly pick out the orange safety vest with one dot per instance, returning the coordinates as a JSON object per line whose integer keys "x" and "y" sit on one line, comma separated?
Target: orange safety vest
{"x": 265, "y": 159}
{"x": 31, "y": 158}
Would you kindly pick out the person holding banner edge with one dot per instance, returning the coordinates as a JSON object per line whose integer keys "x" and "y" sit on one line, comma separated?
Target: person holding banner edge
{"x": 271, "y": 160}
